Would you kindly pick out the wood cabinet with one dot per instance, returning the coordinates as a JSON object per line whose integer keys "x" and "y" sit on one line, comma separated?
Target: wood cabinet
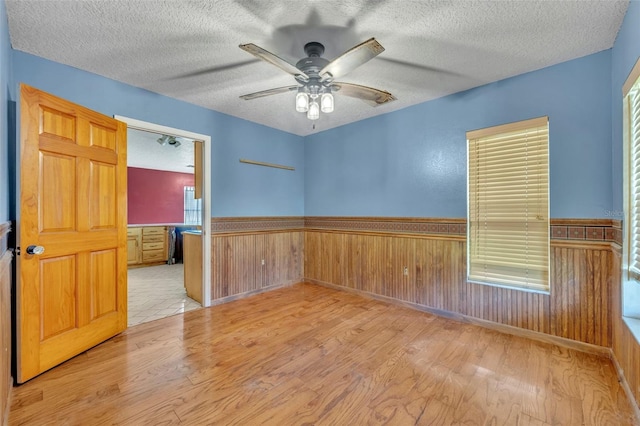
{"x": 154, "y": 244}
{"x": 192, "y": 258}
{"x": 134, "y": 241}
{"x": 147, "y": 245}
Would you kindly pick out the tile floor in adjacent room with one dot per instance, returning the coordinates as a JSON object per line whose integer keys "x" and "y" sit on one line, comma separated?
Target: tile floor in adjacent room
{"x": 157, "y": 292}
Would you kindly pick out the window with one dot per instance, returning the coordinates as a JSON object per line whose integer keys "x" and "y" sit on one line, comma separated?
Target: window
{"x": 192, "y": 207}
{"x": 631, "y": 247}
{"x": 508, "y": 210}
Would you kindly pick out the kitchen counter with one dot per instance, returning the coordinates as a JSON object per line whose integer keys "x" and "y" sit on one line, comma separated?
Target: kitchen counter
{"x": 192, "y": 259}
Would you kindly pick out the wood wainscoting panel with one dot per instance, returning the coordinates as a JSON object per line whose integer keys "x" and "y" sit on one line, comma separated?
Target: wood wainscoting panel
{"x": 6, "y": 381}
{"x": 369, "y": 255}
{"x": 626, "y": 350}
{"x": 245, "y": 262}
{"x": 440, "y": 274}
{"x": 577, "y": 307}
{"x": 327, "y": 259}
{"x": 233, "y": 265}
{"x": 581, "y": 293}
{"x": 517, "y": 308}
{"x": 282, "y": 256}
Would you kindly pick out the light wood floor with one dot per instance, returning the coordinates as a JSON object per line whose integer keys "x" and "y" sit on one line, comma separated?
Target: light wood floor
{"x": 308, "y": 355}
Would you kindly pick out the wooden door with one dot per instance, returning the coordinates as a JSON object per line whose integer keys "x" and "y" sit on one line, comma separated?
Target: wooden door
{"x": 73, "y": 204}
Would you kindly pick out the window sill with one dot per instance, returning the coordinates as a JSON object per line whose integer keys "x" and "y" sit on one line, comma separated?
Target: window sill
{"x": 634, "y": 327}
{"x": 631, "y": 308}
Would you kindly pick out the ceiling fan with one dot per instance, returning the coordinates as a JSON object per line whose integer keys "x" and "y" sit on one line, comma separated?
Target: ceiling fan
{"x": 315, "y": 77}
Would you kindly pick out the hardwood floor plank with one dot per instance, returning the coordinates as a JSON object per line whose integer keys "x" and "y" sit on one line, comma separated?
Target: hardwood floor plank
{"x": 311, "y": 355}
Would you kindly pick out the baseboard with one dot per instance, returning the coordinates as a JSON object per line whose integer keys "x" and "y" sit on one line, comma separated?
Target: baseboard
{"x": 503, "y": 328}
{"x": 246, "y": 294}
{"x": 625, "y": 385}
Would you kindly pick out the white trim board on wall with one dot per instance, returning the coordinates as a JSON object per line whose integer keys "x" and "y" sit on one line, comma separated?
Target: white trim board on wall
{"x": 132, "y": 123}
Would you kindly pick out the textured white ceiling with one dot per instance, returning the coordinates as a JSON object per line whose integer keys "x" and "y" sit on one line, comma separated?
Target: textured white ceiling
{"x": 433, "y": 48}
{"x": 145, "y": 152}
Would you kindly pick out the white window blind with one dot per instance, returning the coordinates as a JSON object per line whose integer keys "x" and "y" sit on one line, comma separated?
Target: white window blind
{"x": 633, "y": 99}
{"x": 192, "y": 207}
{"x": 508, "y": 217}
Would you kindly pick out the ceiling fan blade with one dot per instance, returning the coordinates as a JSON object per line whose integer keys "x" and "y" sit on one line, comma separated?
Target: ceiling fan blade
{"x": 269, "y": 92}
{"x": 351, "y": 59}
{"x": 373, "y": 97}
{"x": 267, "y": 56}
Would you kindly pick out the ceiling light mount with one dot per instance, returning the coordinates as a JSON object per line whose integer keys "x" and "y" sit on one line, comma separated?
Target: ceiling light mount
{"x": 169, "y": 140}
{"x": 314, "y": 49}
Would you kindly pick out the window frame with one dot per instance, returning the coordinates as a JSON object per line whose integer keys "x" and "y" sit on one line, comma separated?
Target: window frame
{"x": 631, "y": 84}
{"x": 629, "y": 280}
{"x": 198, "y": 203}
{"x": 473, "y": 139}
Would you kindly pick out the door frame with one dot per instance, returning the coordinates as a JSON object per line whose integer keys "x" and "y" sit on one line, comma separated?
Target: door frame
{"x": 133, "y": 123}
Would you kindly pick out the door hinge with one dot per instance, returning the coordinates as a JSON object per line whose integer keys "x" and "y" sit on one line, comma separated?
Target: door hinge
{"x": 17, "y": 253}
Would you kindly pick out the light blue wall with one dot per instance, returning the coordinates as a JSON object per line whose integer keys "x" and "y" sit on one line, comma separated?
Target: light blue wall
{"x": 413, "y": 162}
{"x": 5, "y": 97}
{"x": 407, "y": 163}
{"x": 625, "y": 53}
{"x": 237, "y": 189}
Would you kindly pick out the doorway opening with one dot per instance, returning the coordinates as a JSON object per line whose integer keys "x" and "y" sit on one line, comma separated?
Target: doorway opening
{"x": 168, "y": 229}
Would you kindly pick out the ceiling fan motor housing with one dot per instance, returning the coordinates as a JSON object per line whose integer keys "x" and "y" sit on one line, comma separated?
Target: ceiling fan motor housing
{"x": 313, "y": 64}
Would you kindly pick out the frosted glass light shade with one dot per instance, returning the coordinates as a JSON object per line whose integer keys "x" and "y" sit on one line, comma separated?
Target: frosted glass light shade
{"x": 302, "y": 102}
{"x": 326, "y": 102}
{"x": 314, "y": 111}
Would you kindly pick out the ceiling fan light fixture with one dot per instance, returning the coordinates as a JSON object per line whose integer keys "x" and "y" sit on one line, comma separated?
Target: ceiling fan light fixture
{"x": 314, "y": 90}
{"x": 302, "y": 102}
{"x": 326, "y": 103}
{"x": 315, "y": 77}
{"x": 170, "y": 140}
{"x": 314, "y": 111}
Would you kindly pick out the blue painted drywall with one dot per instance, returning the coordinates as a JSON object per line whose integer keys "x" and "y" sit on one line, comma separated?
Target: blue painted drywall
{"x": 412, "y": 162}
{"x": 5, "y": 98}
{"x": 237, "y": 189}
{"x": 624, "y": 55}
{"x": 407, "y": 163}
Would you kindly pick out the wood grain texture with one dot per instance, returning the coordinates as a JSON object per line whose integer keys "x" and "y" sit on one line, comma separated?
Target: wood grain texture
{"x": 577, "y": 307}
{"x": 580, "y": 306}
{"x": 247, "y": 262}
{"x": 626, "y": 349}
{"x": 192, "y": 258}
{"x": 72, "y": 202}
{"x": 6, "y": 380}
{"x": 306, "y": 354}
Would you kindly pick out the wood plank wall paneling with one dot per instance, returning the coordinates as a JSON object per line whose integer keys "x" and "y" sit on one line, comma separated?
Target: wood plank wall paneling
{"x": 626, "y": 349}
{"x": 577, "y": 307}
{"x": 237, "y": 261}
{"x": 369, "y": 255}
{"x": 438, "y": 274}
{"x": 581, "y": 294}
{"x": 233, "y": 267}
{"x": 6, "y": 381}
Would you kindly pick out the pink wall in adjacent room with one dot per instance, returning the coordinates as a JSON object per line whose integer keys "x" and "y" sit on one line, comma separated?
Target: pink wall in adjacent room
{"x": 156, "y": 196}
